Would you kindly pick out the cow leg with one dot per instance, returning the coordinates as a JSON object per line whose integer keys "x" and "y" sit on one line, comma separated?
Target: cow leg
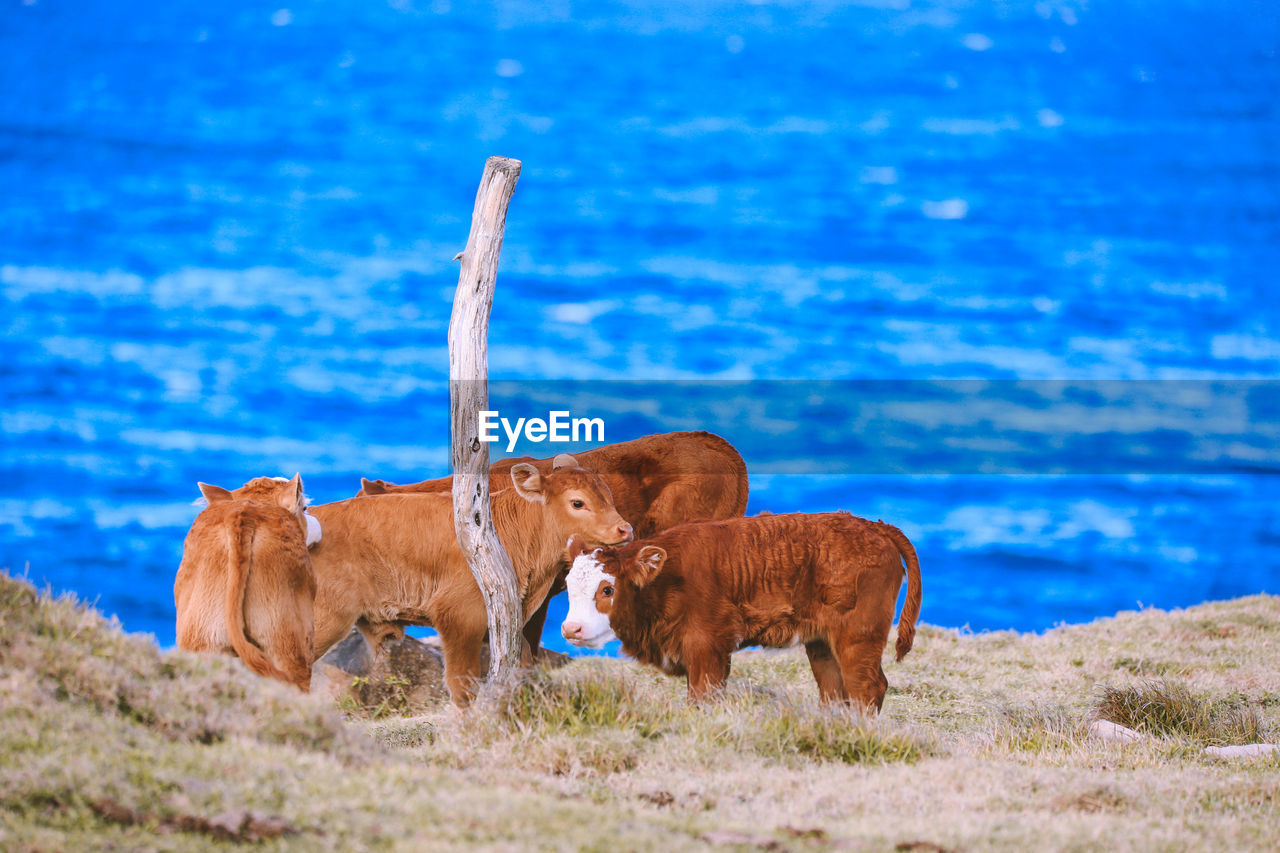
{"x": 463, "y": 660}
{"x": 336, "y": 606}
{"x": 533, "y": 629}
{"x": 859, "y": 640}
{"x": 535, "y": 621}
{"x": 826, "y": 671}
{"x": 707, "y": 671}
{"x": 331, "y": 627}
{"x": 860, "y": 669}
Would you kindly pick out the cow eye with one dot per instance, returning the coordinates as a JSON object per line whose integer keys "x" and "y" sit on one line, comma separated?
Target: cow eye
{"x": 608, "y": 591}
{"x": 578, "y": 504}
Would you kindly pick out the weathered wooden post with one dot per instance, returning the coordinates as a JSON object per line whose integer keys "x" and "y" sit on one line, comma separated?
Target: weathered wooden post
{"x": 468, "y": 396}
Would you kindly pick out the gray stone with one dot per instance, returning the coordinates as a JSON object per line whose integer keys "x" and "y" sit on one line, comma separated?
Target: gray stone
{"x": 1247, "y": 751}
{"x": 408, "y": 677}
{"x": 352, "y": 655}
{"x": 1105, "y": 730}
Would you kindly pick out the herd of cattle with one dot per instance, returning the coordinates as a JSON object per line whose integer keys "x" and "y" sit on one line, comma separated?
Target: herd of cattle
{"x": 648, "y": 536}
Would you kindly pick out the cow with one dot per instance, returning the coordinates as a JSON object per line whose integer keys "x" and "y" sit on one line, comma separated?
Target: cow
{"x": 394, "y": 559}
{"x": 245, "y": 585}
{"x": 685, "y": 599}
{"x": 657, "y": 482}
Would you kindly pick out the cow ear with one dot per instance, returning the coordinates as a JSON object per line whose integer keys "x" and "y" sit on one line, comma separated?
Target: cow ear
{"x": 564, "y": 460}
{"x": 528, "y": 482}
{"x": 575, "y": 548}
{"x": 647, "y": 565}
{"x": 213, "y": 494}
{"x": 372, "y": 487}
{"x": 292, "y": 498}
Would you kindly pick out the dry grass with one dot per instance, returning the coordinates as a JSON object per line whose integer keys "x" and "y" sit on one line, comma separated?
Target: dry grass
{"x": 107, "y": 742}
{"x": 1171, "y": 708}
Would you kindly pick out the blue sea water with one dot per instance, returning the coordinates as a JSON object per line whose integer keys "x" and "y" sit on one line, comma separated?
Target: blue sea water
{"x": 227, "y": 231}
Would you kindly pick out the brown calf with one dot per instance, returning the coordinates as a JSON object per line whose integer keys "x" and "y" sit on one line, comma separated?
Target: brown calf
{"x": 394, "y": 560}
{"x": 657, "y": 482}
{"x": 685, "y": 599}
{"x": 245, "y": 584}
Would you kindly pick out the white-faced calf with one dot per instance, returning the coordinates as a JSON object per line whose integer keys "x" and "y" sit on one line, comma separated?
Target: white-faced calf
{"x": 686, "y": 599}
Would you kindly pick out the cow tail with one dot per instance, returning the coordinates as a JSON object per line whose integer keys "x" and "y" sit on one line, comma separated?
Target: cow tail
{"x": 911, "y": 607}
{"x": 240, "y": 554}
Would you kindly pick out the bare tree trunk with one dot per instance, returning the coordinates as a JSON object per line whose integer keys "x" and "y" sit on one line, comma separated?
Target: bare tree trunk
{"x": 468, "y": 396}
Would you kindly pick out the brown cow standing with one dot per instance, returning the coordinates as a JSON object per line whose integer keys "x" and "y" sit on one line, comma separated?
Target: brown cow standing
{"x": 685, "y": 599}
{"x": 395, "y": 559}
{"x": 657, "y": 482}
{"x": 245, "y": 585}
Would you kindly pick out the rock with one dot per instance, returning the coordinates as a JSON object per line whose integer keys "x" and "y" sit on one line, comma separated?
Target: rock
{"x": 352, "y": 655}
{"x": 1246, "y": 751}
{"x": 1105, "y": 730}
{"x": 408, "y": 678}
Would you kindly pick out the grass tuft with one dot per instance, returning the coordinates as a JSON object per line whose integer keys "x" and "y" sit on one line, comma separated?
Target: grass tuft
{"x": 1170, "y": 708}
{"x": 378, "y": 697}
{"x": 1035, "y": 728}
{"x": 835, "y": 734}
{"x": 577, "y": 700}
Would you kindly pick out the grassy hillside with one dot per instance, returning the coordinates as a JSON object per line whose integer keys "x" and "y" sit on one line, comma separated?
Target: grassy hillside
{"x": 105, "y": 742}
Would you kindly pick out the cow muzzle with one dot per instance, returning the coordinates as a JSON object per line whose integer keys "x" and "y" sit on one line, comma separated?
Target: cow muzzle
{"x": 576, "y": 633}
{"x": 625, "y": 534}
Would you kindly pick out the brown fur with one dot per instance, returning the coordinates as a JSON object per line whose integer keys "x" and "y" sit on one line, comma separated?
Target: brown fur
{"x": 685, "y": 599}
{"x": 657, "y": 482}
{"x": 245, "y": 585}
{"x": 395, "y": 560}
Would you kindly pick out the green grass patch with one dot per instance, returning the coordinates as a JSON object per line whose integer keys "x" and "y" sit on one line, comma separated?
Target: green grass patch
{"x": 580, "y": 700}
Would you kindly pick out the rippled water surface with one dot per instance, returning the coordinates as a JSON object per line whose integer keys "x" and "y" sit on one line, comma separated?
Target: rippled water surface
{"x": 227, "y": 234}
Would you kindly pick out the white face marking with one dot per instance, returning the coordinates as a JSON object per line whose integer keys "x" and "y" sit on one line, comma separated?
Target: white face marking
{"x": 583, "y": 580}
{"x": 313, "y": 529}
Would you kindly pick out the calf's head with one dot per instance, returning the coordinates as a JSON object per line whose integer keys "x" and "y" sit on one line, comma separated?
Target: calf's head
{"x": 284, "y": 493}
{"x": 593, "y": 582}
{"x": 576, "y": 499}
